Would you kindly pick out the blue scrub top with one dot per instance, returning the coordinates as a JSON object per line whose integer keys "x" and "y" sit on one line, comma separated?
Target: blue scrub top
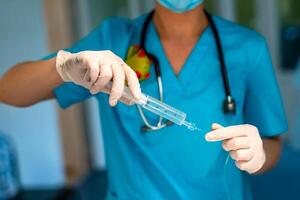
{"x": 175, "y": 163}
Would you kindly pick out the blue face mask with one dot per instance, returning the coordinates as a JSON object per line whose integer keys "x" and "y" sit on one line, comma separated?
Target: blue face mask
{"x": 180, "y": 6}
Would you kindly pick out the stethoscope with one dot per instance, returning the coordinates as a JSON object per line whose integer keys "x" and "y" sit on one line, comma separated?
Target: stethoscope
{"x": 229, "y": 105}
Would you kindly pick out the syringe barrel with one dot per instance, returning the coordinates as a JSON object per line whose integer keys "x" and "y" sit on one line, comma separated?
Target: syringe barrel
{"x": 126, "y": 95}
{"x": 162, "y": 109}
{"x": 154, "y": 105}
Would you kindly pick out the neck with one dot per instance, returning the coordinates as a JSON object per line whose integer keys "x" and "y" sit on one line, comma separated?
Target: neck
{"x": 172, "y": 25}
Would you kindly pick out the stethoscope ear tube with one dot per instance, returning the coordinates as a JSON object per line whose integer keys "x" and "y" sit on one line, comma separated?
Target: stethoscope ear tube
{"x": 142, "y": 44}
{"x": 229, "y": 102}
{"x": 144, "y": 30}
{"x": 156, "y": 64}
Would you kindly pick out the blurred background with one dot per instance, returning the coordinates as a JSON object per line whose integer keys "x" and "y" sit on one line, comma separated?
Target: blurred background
{"x": 47, "y": 153}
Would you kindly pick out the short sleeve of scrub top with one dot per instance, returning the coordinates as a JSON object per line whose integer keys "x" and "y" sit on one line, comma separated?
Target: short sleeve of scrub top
{"x": 263, "y": 105}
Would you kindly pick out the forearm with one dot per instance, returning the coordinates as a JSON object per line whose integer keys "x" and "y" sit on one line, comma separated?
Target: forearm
{"x": 28, "y": 83}
{"x": 272, "y": 147}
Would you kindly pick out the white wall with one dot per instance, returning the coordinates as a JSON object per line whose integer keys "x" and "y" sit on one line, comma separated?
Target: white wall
{"x": 34, "y": 130}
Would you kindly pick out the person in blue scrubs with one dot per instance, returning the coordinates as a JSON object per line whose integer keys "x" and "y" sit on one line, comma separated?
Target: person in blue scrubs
{"x": 174, "y": 162}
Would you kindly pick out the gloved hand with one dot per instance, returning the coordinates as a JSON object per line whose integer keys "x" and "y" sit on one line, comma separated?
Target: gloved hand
{"x": 94, "y": 69}
{"x": 244, "y": 144}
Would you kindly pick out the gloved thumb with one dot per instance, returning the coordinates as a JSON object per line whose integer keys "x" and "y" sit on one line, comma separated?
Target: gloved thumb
{"x": 216, "y": 126}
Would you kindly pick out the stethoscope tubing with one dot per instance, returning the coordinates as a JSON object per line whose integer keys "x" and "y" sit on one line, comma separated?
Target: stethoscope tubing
{"x": 229, "y": 102}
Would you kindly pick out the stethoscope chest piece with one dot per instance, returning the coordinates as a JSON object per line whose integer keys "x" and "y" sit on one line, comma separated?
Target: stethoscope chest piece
{"x": 229, "y": 105}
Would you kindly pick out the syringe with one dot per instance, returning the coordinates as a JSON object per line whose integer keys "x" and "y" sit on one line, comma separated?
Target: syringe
{"x": 157, "y": 107}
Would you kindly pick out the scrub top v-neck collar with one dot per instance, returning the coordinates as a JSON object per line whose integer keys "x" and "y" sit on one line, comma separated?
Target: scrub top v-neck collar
{"x": 195, "y": 61}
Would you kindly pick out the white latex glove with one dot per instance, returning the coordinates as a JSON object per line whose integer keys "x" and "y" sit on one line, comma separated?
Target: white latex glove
{"x": 244, "y": 144}
{"x": 94, "y": 69}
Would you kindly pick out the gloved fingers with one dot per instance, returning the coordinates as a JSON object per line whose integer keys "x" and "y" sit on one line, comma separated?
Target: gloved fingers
{"x": 93, "y": 70}
{"x": 77, "y": 70}
{"x": 126, "y": 101}
{"x": 236, "y": 143}
{"x": 241, "y": 155}
{"x": 103, "y": 79}
{"x": 133, "y": 82}
{"x": 122, "y": 99}
{"x": 257, "y": 162}
{"x": 118, "y": 83}
{"x": 216, "y": 126}
{"x": 251, "y": 166}
{"x": 105, "y": 90}
{"x": 226, "y": 133}
{"x": 243, "y": 165}
{"x": 86, "y": 78}
{"x": 247, "y": 166}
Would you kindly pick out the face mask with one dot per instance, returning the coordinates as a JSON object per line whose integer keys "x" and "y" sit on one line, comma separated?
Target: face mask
{"x": 180, "y": 6}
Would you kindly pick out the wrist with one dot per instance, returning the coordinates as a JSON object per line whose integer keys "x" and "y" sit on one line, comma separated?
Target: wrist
{"x": 60, "y": 61}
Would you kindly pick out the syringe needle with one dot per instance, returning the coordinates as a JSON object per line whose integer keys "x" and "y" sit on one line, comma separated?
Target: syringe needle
{"x": 192, "y": 126}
